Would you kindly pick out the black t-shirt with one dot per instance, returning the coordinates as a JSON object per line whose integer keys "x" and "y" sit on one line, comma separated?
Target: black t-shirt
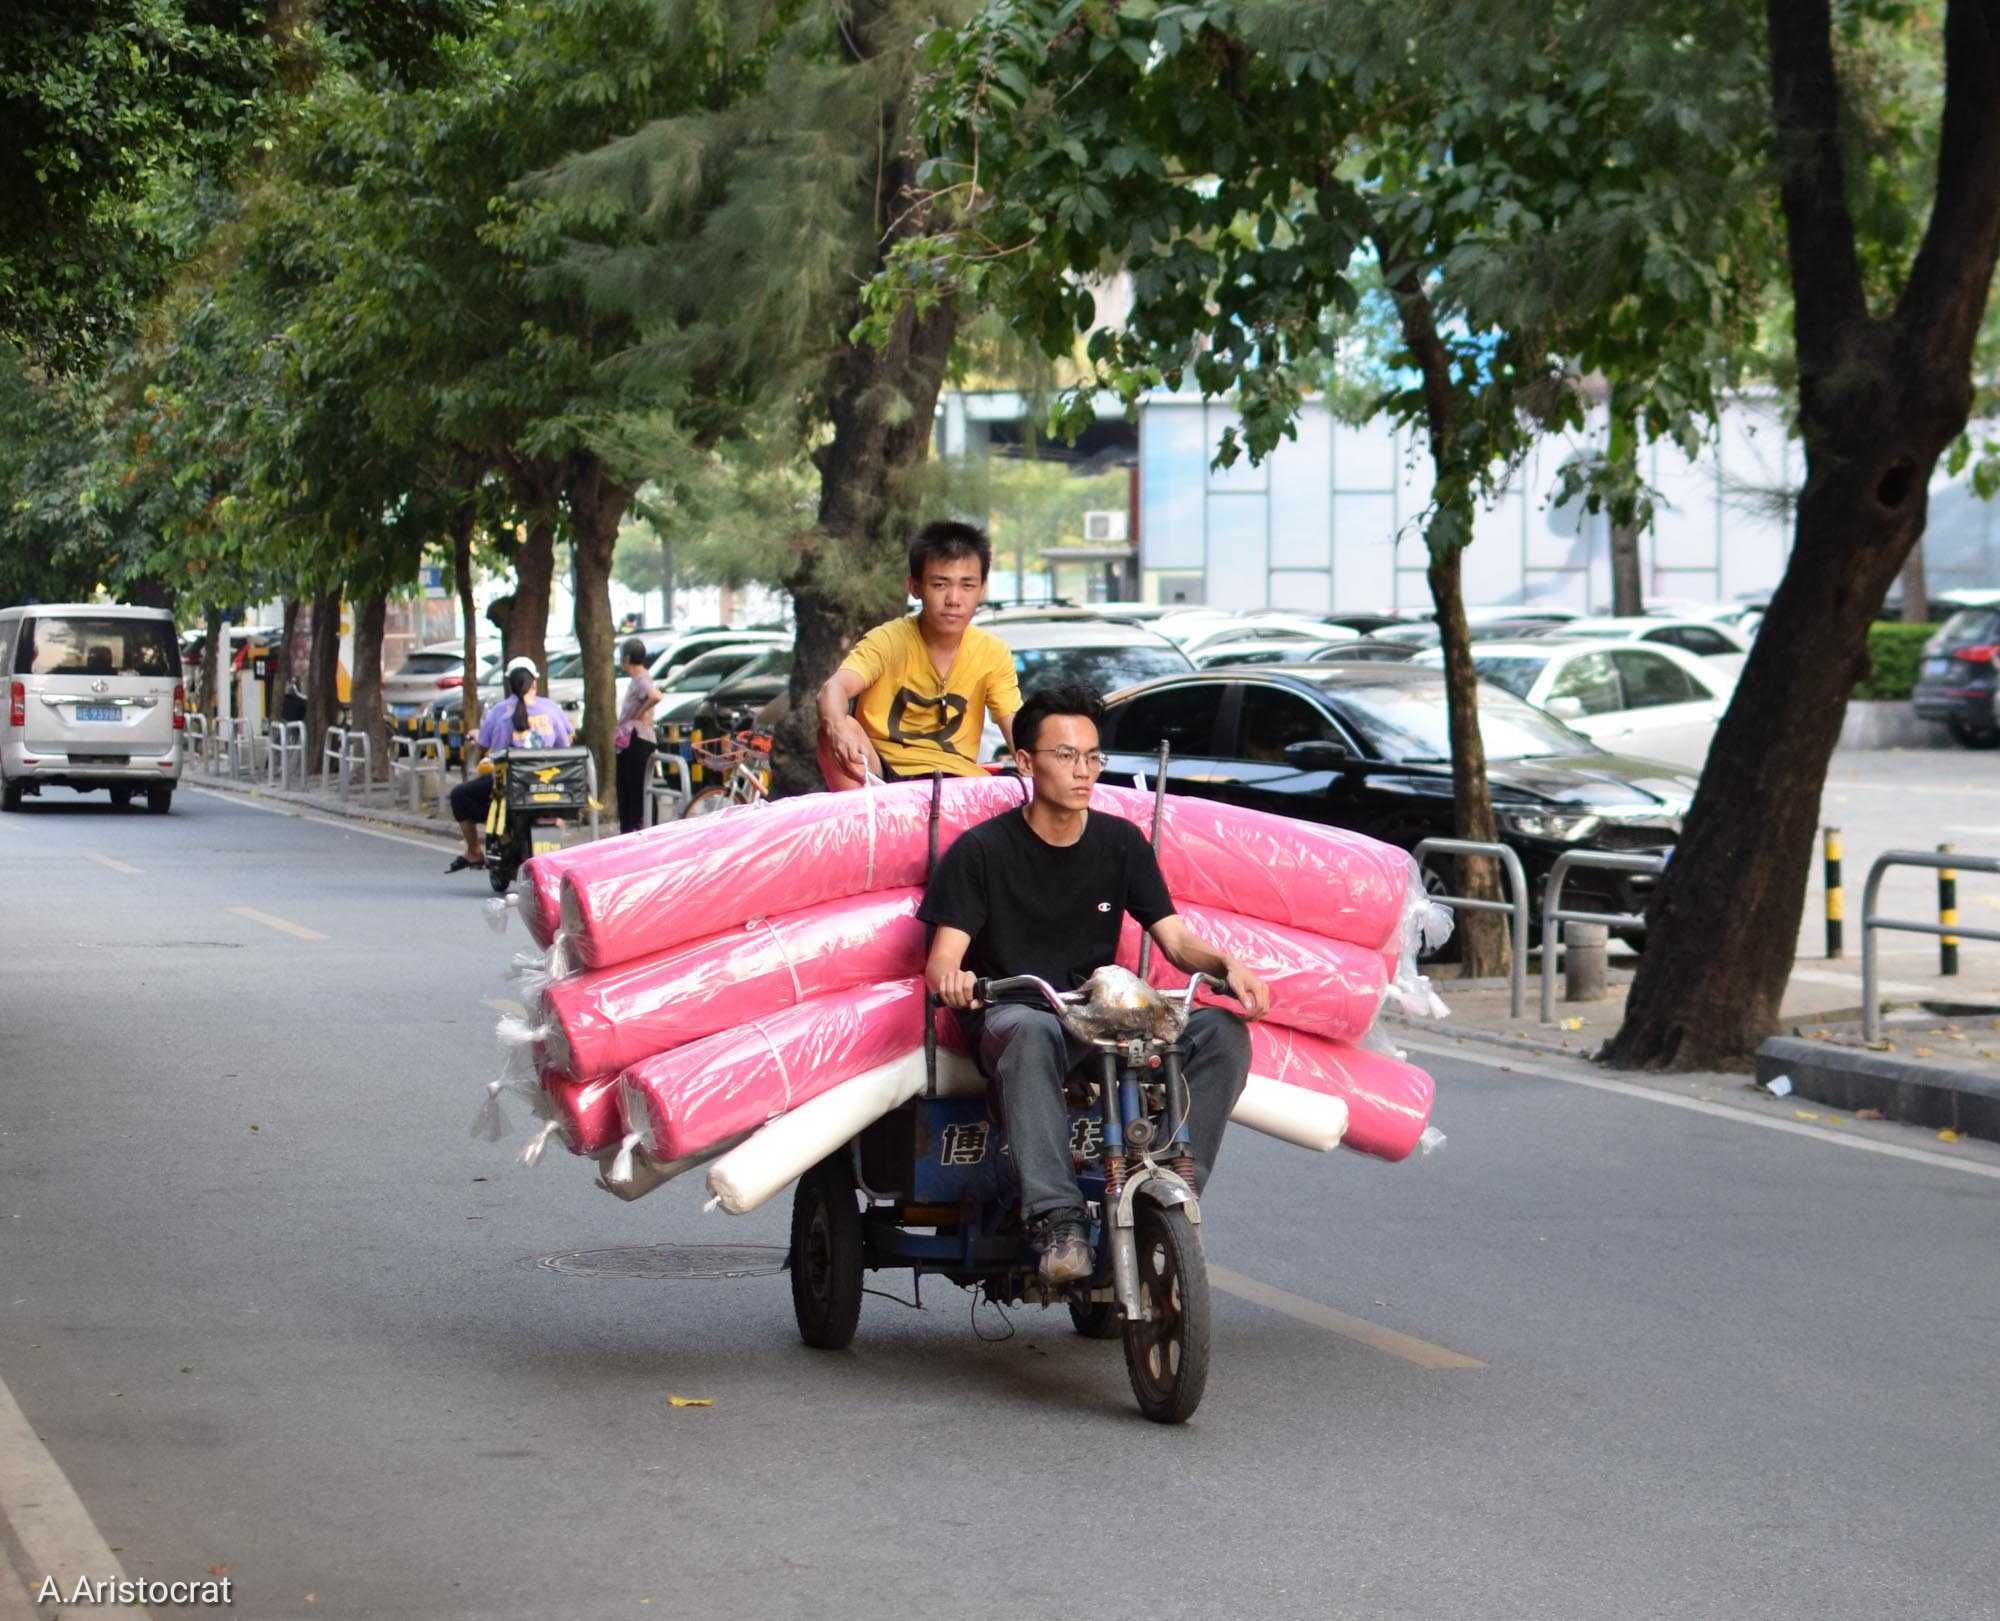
{"x": 1037, "y": 908}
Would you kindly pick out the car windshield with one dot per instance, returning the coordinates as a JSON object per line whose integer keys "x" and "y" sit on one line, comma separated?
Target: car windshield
{"x": 1511, "y": 673}
{"x": 707, "y": 672}
{"x": 1102, "y": 669}
{"x": 97, "y": 645}
{"x": 776, "y": 662}
{"x": 563, "y": 666}
{"x": 1969, "y": 626}
{"x": 1407, "y": 722}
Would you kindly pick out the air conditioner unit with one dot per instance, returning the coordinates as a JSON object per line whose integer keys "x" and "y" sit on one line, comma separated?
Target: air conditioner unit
{"x": 1100, "y": 527}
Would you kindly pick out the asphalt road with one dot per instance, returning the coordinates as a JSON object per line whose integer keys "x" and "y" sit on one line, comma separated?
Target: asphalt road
{"x": 272, "y": 1311}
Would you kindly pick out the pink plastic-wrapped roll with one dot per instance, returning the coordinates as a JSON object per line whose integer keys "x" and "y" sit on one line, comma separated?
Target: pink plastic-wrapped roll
{"x": 647, "y": 896}
{"x": 586, "y": 1112}
{"x": 1388, "y": 1101}
{"x": 603, "y": 1020}
{"x": 1327, "y": 987}
{"x": 541, "y": 904}
{"x": 687, "y": 1100}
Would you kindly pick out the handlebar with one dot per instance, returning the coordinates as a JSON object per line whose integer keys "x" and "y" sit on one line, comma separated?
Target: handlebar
{"x": 984, "y": 990}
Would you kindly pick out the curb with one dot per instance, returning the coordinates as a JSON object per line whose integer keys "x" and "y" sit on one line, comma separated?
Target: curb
{"x": 380, "y": 815}
{"x": 1445, "y": 1030}
{"x": 1891, "y": 724}
{"x": 1902, "y": 1089}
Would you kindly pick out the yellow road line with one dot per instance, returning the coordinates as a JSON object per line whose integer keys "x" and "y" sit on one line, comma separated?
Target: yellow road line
{"x": 296, "y": 931}
{"x": 1359, "y": 1329}
{"x": 113, "y": 865}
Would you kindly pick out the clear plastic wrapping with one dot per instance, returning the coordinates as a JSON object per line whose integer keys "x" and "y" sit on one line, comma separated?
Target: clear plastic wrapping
{"x": 1325, "y": 986}
{"x": 687, "y": 1100}
{"x": 601, "y": 1021}
{"x": 1424, "y": 928}
{"x": 633, "y": 897}
{"x": 1388, "y": 1101}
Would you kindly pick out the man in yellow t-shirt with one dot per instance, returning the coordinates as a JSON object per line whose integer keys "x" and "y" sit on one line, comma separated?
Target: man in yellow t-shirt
{"x": 922, "y": 686}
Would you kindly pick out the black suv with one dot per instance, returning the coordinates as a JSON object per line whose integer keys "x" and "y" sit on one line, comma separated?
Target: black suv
{"x": 1958, "y": 680}
{"x": 1364, "y": 746}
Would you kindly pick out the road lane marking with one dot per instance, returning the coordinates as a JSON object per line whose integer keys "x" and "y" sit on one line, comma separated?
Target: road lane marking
{"x": 444, "y": 842}
{"x": 1359, "y": 1329}
{"x": 110, "y": 864}
{"x": 42, "y": 1509}
{"x": 1520, "y": 1063}
{"x": 295, "y": 930}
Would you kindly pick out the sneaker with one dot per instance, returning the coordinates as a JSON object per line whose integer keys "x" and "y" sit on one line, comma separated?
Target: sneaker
{"x": 1063, "y": 1253}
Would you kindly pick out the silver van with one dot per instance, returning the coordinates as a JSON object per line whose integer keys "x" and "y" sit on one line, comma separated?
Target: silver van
{"x": 94, "y": 699}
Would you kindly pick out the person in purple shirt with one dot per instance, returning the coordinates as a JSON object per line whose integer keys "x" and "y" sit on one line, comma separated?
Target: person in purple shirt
{"x": 519, "y": 721}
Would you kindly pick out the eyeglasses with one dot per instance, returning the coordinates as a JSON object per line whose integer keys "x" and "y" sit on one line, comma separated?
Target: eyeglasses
{"x": 1068, "y": 758}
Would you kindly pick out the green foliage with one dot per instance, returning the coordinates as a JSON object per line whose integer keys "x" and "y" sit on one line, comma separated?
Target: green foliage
{"x": 1895, "y": 655}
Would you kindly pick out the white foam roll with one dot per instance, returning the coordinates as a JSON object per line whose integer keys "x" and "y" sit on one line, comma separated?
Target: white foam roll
{"x": 645, "y": 1173}
{"x": 1291, "y": 1114}
{"x": 792, "y": 1144}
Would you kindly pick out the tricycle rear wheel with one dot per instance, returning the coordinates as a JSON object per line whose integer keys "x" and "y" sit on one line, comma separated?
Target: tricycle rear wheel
{"x": 1166, "y": 1357}
{"x": 826, "y": 1255}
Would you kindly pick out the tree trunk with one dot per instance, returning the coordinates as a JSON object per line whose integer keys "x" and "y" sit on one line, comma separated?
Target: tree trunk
{"x": 1628, "y": 589}
{"x": 1484, "y": 949}
{"x": 463, "y": 522}
{"x": 366, "y": 712}
{"x": 214, "y": 665}
{"x": 597, "y": 504}
{"x": 534, "y": 572}
{"x": 322, "y": 674}
{"x": 1879, "y": 399}
{"x": 882, "y": 408}
{"x": 1916, "y": 589}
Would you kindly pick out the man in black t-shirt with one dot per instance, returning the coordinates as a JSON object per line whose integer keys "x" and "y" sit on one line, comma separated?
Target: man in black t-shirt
{"x": 1044, "y": 890}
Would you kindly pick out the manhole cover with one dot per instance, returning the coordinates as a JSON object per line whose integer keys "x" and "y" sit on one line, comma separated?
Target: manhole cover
{"x": 679, "y": 1263}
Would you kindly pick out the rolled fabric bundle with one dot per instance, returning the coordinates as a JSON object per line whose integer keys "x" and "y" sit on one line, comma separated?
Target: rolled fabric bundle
{"x": 540, "y": 882}
{"x": 604, "y": 1020}
{"x": 585, "y": 1111}
{"x": 684, "y": 1101}
{"x": 1327, "y": 987}
{"x": 645, "y": 896}
{"x": 1388, "y": 1101}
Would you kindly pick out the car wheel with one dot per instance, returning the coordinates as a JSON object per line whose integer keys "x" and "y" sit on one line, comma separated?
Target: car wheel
{"x": 121, "y": 799}
{"x": 10, "y": 796}
{"x": 159, "y": 800}
{"x": 1976, "y": 737}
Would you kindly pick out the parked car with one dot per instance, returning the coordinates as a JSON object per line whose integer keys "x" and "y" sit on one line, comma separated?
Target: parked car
{"x": 1266, "y": 628}
{"x": 1717, "y": 644}
{"x": 1959, "y": 679}
{"x": 1103, "y": 654}
{"x": 94, "y": 696}
{"x": 436, "y": 668}
{"x": 1366, "y": 746}
{"x": 740, "y": 700}
{"x": 684, "y": 691}
{"x": 1286, "y": 651}
{"x": 1367, "y": 648}
{"x": 1652, "y": 700}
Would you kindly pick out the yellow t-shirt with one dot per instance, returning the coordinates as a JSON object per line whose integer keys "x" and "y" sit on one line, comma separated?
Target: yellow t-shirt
{"x": 917, "y": 721}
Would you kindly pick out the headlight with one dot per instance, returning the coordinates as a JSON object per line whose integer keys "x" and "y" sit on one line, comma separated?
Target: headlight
{"x": 1563, "y": 827}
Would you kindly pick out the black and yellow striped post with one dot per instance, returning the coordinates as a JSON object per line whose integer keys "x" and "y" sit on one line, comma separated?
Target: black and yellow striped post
{"x": 1947, "y": 916}
{"x": 1836, "y": 903}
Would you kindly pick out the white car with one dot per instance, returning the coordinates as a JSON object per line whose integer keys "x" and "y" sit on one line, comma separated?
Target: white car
{"x": 428, "y": 673}
{"x": 1718, "y": 645}
{"x": 1645, "y": 699}
{"x": 1196, "y": 638}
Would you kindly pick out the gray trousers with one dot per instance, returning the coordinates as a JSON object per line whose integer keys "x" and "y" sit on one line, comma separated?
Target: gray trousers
{"x": 1026, "y": 1053}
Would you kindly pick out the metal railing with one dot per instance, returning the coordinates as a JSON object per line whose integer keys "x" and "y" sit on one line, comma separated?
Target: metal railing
{"x": 413, "y": 759}
{"x": 1553, "y": 916}
{"x": 1935, "y": 861}
{"x": 197, "y": 739}
{"x": 1517, "y": 886}
{"x": 665, "y": 800}
{"x": 285, "y": 743}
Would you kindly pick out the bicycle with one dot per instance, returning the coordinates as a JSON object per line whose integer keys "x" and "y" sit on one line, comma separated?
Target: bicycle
{"x": 746, "y": 758}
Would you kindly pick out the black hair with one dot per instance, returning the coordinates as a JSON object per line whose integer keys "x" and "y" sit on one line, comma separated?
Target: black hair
{"x": 1060, "y": 698}
{"x": 946, "y": 541}
{"x": 633, "y": 650}
{"x": 518, "y": 683}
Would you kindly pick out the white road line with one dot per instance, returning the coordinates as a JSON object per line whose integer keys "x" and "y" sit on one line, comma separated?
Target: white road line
{"x": 1526, "y": 1064}
{"x": 48, "y": 1519}
{"x": 295, "y": 930}
{"x": 111, "y": 864}
{"x": 1359, "y": 1329}
{"x": 443, "y": 842}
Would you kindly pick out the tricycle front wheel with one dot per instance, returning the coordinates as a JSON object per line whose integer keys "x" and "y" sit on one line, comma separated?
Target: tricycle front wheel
{"x": 826, "y": 1255}
{"x": 1166, "y": 1356}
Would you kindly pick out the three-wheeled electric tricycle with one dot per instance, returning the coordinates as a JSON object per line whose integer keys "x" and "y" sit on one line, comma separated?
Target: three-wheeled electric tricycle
{"x": 535, "y": 792}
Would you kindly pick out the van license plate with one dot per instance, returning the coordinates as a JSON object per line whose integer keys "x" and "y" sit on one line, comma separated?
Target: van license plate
{"x": 98, "y": 712}
{"x": 1936, "y": 668}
